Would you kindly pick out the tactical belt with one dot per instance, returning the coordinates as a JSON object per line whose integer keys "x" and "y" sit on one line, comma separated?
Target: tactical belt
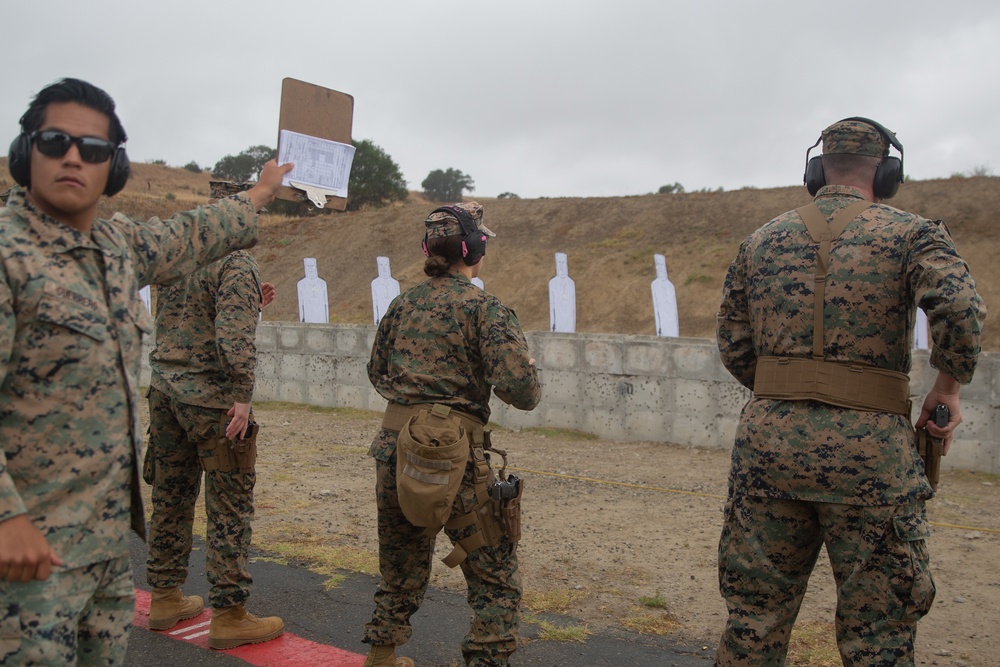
{"x": 397, "y": 414}
{"x": 847, "y": 385}
{"x": 488, "y": 530}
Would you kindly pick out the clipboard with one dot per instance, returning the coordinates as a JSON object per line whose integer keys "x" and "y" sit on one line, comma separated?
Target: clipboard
{"x": 319, "y": 112}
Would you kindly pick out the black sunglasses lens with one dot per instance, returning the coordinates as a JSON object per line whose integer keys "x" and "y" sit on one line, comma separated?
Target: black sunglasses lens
{"x": 56, "y": 144}
{"x": 94, "y": 150}
{"x": 53, "y": 144}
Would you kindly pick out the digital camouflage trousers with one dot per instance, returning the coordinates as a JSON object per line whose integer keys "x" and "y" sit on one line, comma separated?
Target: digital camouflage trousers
{"x": 405, "y": 555}
{"x": 75, "y": 617}
{"x": 175, "y": 430}
{"x": 879, "y": 558}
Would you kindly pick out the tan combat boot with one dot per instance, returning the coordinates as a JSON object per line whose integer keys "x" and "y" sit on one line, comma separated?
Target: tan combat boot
{"x": 235, "y": 626}
{"x": 385, "y": 656}
{"x": 169, "y": 607}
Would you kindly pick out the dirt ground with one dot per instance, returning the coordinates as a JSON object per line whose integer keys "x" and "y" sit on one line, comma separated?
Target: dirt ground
{"x": 616, "y": 534}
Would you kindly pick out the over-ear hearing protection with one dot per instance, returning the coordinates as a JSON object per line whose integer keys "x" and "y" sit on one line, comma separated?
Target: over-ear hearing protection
{"x": 473, "y": 238}
{"x": 19, "y": 163}
{"x": 888, "y": 175}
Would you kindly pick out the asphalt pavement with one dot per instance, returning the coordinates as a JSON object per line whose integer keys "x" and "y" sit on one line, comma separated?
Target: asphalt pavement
{"x": 323, "y": 627}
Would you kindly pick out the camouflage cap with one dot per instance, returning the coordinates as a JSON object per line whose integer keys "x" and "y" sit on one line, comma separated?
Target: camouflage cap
{"x": 441, "y": 224}
{"x": 854, "y": 137}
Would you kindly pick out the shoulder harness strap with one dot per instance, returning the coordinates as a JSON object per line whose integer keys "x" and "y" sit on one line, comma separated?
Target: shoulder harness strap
{"x": 824, "y": 234}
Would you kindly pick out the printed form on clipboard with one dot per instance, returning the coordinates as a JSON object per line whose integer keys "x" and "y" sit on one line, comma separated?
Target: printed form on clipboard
{"x": 322, "y": 167}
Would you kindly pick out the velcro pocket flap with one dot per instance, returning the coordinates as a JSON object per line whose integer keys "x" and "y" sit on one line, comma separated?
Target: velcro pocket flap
{"x": 62, "y": 306}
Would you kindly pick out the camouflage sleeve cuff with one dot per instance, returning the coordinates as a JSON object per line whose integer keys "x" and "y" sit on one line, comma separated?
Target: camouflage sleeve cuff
{"x": 957, "y": 366}
{"x": 243, "y": 394}
{"x": 243, "y": 198}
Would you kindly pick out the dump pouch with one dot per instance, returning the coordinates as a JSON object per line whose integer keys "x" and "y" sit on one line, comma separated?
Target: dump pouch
{"x": 430, "y": 468}
{"x": 431, "y": 453}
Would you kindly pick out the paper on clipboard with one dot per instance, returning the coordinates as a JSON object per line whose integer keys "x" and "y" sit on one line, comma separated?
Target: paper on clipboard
{"x": 315, "y": 111}
{"x": 322, "y": 167}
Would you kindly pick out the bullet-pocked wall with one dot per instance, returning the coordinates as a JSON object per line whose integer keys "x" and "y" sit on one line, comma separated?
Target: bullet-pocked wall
{"x": 618, "y": 387}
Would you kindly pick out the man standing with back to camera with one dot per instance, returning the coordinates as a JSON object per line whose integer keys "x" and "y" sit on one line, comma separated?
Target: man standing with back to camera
{"x": 199, "y": 405}
{"x": 830, "y": 291}
{"x": 71, "y": 322}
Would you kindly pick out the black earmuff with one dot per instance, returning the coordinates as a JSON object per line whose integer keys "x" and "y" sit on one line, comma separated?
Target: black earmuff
{"x": 473, "y": 238}
{"x": 118, "y": 175}
{"x": 19, "y": 159}
{"x": 19, "y": 164}
{"x": 888, "y": 174}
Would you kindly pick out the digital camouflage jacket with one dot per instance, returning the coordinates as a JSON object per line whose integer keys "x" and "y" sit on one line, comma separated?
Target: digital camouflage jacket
{"x": 883, "y": 266}
{"x": 205, "y": 353}
{"x": 448, "y": 341}
{"x": 71, "y": 327}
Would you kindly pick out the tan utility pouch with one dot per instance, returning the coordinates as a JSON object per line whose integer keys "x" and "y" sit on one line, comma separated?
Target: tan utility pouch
{"x": 220, "y": 454}
{"x": 929, "y": 449}
{"x": 431, "y": 452}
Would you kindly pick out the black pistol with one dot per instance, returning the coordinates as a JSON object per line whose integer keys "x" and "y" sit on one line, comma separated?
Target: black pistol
{"x": 941, "y": 415}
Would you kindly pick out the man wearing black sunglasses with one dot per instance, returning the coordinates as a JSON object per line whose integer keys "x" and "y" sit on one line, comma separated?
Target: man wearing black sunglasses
{"x": 71, "y": 327}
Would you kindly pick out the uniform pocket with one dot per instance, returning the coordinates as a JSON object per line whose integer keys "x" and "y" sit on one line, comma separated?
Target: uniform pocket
{"x": 912, "y": 581}
{"x": 64, "y": 345}
{"x": 63, "y": 307}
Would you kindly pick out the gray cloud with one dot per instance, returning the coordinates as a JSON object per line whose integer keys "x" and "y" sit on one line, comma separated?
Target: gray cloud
{"x": 582, "y": 98}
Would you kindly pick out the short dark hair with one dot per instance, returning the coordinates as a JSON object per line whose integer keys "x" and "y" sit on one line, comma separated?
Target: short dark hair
{"x": 838, "y": 166}
{"x": 80, "y": 92}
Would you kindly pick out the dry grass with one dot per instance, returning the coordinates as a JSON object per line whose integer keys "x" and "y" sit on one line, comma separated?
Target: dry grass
{"x": 549, "y": 631}
{"x": 609, "y": 243}
{"x": 557, "y": 600}
{"x": 651, "y": 621}
{"x": 813, "y": 645}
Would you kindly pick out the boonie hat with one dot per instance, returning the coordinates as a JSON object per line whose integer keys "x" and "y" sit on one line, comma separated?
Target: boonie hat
{"x": 441, "y": 223}
{"x": 854, "y": 137}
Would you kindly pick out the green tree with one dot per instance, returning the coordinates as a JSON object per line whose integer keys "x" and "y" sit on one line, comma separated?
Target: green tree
{"x": 674, "y": 189}
{"x": 507, "y": 195}
{"x": 246, "y": 165}
{"x": 376, "y": 180}
{"x": 447, "y": 186}
{"x": 193, "y": 167}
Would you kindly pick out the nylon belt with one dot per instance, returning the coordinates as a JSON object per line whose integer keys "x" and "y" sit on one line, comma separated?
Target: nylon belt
{"x": 396, "y": 415}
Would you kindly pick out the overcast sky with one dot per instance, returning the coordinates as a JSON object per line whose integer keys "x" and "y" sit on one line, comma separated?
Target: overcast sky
{"x": 540, "y": 98}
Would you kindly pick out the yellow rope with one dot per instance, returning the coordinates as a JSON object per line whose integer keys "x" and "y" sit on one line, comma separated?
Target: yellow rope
{"x": 661, "y": 489}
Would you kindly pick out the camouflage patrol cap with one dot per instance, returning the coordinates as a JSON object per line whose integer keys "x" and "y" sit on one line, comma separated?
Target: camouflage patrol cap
{"x": 854, "y": 137}
{"x": 441, "y": 224}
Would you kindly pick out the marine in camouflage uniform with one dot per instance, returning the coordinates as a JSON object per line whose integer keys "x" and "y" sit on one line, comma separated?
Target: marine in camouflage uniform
{"x": 202, "y": 372}
{"x": 807, "y": 473}
{"x": 446, "y": 341}
{"x": 71, "y": 327}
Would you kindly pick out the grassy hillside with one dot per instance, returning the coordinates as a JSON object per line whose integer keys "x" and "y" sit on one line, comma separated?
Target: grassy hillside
{"x": 610, "y": 244}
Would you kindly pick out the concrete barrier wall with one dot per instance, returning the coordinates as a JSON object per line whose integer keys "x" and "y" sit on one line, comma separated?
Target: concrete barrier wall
{"x": 617, "y": 387}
